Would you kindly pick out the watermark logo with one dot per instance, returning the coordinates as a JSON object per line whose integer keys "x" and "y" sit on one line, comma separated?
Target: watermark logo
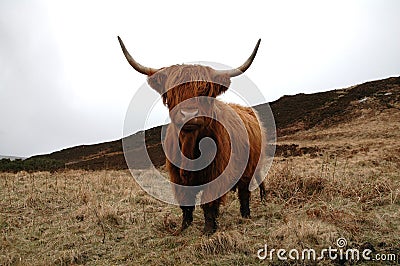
{"x": 341, "y": 242}
{"x": 340, "y": 252}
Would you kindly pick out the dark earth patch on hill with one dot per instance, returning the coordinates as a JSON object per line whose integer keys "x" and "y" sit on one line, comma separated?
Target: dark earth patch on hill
{"x": 292, "y": 114}
{"x": 305, "y": 111}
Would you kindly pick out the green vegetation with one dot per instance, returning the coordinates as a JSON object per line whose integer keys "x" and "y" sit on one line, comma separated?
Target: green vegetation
{"x": 30, "y": 165}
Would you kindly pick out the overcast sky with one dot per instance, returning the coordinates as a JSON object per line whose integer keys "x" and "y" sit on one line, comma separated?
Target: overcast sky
{"x": 64, "y": 80}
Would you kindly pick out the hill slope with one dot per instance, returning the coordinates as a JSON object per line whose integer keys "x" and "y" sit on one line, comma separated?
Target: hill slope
{"x": 293, "y": 115}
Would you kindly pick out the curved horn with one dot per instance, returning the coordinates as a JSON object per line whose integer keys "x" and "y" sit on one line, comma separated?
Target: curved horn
{"x": 138, "y": 67}
{"x": 240, "y": 70}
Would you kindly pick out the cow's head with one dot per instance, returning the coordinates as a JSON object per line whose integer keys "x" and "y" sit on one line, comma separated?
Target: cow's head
{"x": 188, "y": 90}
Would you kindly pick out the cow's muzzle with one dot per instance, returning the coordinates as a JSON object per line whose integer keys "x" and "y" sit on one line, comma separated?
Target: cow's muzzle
{"x": 189, "y": 120}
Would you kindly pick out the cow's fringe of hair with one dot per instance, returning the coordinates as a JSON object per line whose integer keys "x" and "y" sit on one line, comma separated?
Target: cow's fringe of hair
{"x": 186, "y": 81}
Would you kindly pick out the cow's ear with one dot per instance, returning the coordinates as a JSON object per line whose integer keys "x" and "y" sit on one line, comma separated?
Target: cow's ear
{"x": 157, "y": 81}
{"x": 223, "y": 82}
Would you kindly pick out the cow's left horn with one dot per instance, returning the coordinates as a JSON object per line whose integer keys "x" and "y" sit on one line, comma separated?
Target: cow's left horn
{"x": 240, "y": 70}
{"x": 138, "y": 67}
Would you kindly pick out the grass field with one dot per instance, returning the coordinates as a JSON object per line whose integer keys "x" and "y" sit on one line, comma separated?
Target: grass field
{"x": 351, "y": 189}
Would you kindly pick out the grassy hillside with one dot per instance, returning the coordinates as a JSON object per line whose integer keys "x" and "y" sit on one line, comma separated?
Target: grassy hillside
{"x": 349, "y": 187}
{"x": 292, "y": 114}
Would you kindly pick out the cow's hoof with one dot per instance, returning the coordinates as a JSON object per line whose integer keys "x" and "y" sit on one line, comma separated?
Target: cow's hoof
{"x": 263, "y": 197}
{"x": 210, "y": 228}
{"x": 246, "y": 216}
{"x": 187, "y": 220}
{"x": 186, "y": 224}
{"x": 209, "y": 231}
{"x": 245, "y": 213}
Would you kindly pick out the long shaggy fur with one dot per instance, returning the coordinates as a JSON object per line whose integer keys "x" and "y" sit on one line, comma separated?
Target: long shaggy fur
{"x": 225, "y": 112}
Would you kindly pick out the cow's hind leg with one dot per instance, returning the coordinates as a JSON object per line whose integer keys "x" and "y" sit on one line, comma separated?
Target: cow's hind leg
{"x": 244, "y": 198}
{"x": 263, "y": 192}
{"x": 261, "y": 186}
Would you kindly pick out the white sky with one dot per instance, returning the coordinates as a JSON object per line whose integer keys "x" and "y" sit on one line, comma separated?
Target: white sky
{"x": 64, "y": 80}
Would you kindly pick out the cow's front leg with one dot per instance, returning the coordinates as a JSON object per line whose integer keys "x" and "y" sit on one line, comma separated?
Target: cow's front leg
{"x": 187, "y": 216}
{"x": 189, "y": 199}
{"x": 187, "y": 202}
{"x": 211, "y": 212}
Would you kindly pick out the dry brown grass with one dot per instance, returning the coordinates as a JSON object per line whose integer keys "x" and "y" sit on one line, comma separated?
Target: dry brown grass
{"x": 104, "y": 218}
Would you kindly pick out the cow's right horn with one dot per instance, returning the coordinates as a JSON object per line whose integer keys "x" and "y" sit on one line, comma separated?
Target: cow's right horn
{"x": 138, "y": 67}
{"x": 240, "y": 70}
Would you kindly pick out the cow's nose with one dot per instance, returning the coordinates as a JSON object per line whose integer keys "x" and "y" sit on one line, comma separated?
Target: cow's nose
{"x": 189, "y": 113}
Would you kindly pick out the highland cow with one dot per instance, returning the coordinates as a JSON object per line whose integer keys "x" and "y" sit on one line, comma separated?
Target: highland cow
{"x": 194, "y": 120}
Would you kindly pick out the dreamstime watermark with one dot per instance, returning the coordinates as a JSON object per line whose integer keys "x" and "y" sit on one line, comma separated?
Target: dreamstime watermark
{"x": 142, "y": 107}
{"x": 340, "y": 252}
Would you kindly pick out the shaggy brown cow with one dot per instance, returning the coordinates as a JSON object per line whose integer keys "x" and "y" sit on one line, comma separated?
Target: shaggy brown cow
{"x": 207, "y": 117}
